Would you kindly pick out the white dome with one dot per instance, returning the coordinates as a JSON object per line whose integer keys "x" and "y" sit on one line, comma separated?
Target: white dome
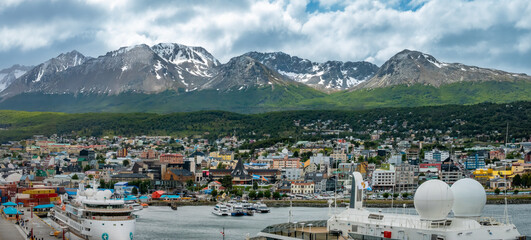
{"x": 89, "y": 192}
{"x": 433, "y": 200}
{"x": 469, "y": 198}
{"x": 99, "y": 195}
{"x": 107, "y": 193}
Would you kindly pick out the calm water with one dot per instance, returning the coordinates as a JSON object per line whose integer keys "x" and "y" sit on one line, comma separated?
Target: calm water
{"x": 199, "y": 223}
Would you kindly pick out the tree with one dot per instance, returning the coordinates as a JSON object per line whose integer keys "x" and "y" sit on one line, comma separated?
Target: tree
{"x": 126, "y": 163}
{"x": 497, "y": 191}
{"x": 102, "y": 183}
{"x": 252, "y": 194}
{"x": 517, "y": 180}
{"x": 226, "y": 181}
{"x": 189, "y": 183}
{"x": 255, "y": 185}
{"x": 86, "y": 168}
{"x": 386, "y": 195}
{"x": 276, "y": 195}
{"x": 395, "y": 195}
{"x": 296, "y": 154}
{"x": 75, "y": 177}
{"x": 515, "y": 192}
{"x": 134, "y": 191}
{"x": 214, "y": 193}
{"x": 260, "y": 194}
{"x": 405, "y": 195}
{"x": 267, "y": 194}
{"x": 90, "y": 176}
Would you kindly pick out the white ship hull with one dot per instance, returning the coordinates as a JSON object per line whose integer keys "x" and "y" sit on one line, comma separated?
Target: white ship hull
{"x": 95, "y": 229}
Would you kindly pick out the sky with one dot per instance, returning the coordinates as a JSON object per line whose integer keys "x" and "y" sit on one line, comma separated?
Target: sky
{"x": 485, "y": 33}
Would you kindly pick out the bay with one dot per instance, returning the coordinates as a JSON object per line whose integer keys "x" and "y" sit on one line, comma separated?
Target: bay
{"x": 197, "y": 222}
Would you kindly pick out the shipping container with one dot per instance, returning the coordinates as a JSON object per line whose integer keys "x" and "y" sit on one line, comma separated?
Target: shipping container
{"x": 22, "y": 196}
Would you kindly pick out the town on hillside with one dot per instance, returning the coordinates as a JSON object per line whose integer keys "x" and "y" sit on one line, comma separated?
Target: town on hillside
{"x": 196, "y": 169}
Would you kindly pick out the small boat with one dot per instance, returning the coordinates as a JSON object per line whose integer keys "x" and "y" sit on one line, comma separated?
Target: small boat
{"x": 235, "y": 208}
{"x": 248, "y": 212}
{"x": 261, "y": 208}
{"x": 144, "y": 205}
{"x": 136, "y": 207}
{"x": 220, "y": 210}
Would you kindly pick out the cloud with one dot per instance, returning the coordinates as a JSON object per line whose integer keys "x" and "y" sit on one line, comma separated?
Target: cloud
{"x": 488, "y": 33}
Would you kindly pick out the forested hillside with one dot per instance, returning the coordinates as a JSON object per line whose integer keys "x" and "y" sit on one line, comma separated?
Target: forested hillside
{"x": 486, "y": 120}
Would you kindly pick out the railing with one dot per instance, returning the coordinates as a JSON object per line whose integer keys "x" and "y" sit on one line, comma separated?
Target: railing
{"x": 114, "y": 218}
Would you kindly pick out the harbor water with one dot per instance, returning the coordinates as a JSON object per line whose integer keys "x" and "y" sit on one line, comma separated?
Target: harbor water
{"x": 197, "y": 222}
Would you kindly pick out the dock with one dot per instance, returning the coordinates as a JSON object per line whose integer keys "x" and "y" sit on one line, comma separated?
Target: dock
{"x": 41, "y": 229}
{"x": 9, "y": 230}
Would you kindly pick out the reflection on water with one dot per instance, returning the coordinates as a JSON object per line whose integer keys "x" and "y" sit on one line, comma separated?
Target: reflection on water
{"x": 197, "y": 222}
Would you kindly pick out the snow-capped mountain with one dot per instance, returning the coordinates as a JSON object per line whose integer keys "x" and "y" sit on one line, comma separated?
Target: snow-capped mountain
{"x": 195, "y": 60}
{"x": 43, "y": 74}
{"x": 137, "y": 68}
{"x": 413, "y": 67}
{"x": 243, "y": 72}
{"x": 329, "y": 76}
{"x": 8, "y": 75}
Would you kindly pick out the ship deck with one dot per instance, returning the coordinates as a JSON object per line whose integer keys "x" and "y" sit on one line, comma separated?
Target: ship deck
{"x": 315, "y": 230}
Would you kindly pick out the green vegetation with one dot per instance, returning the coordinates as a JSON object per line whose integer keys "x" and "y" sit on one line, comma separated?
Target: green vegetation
{"x": 275, "y": 98}
{"x": 488, "y": 120}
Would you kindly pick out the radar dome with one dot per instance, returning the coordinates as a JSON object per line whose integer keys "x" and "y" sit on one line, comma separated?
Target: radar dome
{"x": 469, "y": 198}
{"x": 99, "y": 195}
{"x": 107, "y": 194}
{"x": 433, "y": 200}
{"x": 89, "y": 192}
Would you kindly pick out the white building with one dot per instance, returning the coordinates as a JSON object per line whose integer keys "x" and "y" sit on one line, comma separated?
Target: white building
{"x": 292, "y": 173}
{"x": 383, "y": 179}
{"x": 436, "y": 155}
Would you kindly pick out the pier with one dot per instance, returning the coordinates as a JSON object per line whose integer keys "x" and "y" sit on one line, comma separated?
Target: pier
{"x": 41, "y": 229}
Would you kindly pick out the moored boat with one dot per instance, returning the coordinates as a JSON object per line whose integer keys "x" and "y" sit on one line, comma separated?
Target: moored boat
{"x": 221, "y": 210}
{"x": 94, "y": 215}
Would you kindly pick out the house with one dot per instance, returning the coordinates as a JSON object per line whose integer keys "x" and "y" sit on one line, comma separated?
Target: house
{"x": 181, "y": 175}
{"x": 302, "y": 188}
{"x": 241, "y": 175}
{"x": 286, "y": 163}
{"x": 173, "y": 158}
{"x": 500, "y": 183}
{"x": 284, "y": 187}
{"x": 215, "y": 185}
{"x": 309, "y": 167}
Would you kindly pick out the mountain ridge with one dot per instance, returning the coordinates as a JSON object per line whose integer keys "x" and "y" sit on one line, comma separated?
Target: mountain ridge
{"x": 413, "y": 67}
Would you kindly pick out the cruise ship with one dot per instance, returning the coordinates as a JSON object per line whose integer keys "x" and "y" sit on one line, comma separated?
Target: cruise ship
{"x": 92, "y": 214}
{"x": 434, "y": 200}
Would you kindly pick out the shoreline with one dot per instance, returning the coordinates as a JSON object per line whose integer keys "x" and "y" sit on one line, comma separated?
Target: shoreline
{"x": 491, "y": 200}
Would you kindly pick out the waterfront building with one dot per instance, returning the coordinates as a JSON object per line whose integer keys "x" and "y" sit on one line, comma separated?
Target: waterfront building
{"x": 302, "y": 188}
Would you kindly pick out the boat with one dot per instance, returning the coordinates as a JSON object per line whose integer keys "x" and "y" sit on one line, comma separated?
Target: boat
{"x": 221, "y": 210}
{"x": 433, "y": 201}
{"x": 93, "y": 215}
{"x": 136, "y": 207}
{"x": 235, "y": 208}
{"x": 144, "y": 205}
{"x": 261, "y": 208}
